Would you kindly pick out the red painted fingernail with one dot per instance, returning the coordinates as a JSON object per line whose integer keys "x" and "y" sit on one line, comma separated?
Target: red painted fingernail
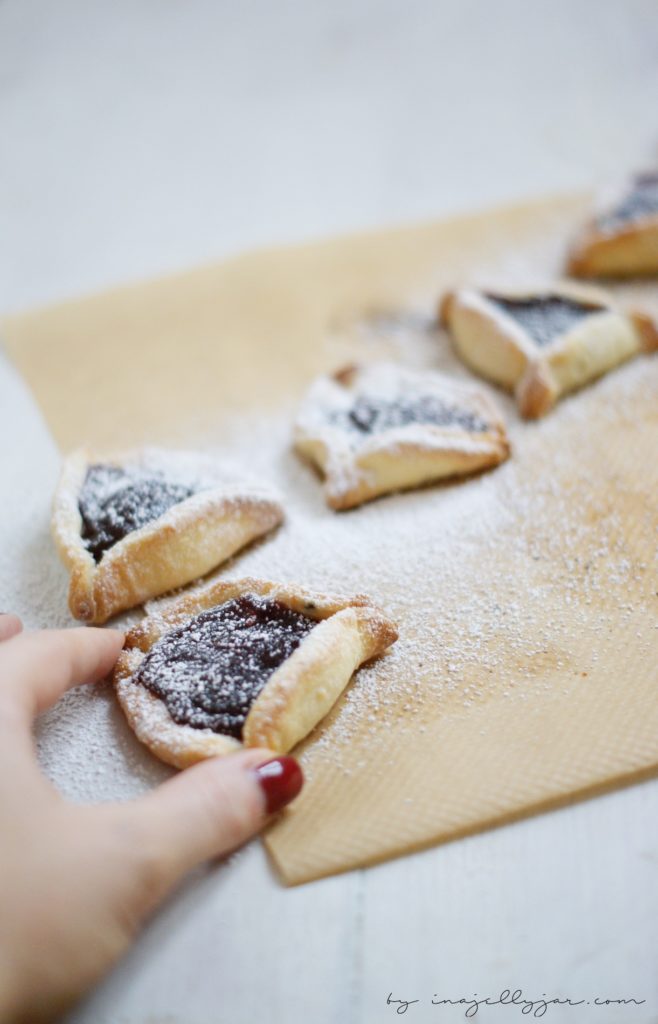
{"x": 281, "y": 779}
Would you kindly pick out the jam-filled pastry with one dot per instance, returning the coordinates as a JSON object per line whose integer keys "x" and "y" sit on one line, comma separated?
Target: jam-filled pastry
{"x": 377, "y": 428}
{"x": 542, "y": 344}
{"x": 133, "y": 526}
{"x": 621, "y": 240}
{"x": 245, "y": 662}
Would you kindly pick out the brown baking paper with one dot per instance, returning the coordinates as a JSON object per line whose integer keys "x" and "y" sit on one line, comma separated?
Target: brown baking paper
{"x": 541, "y": 684}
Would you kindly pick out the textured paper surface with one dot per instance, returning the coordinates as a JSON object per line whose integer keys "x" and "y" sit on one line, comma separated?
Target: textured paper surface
{"x": 563, "y": 701}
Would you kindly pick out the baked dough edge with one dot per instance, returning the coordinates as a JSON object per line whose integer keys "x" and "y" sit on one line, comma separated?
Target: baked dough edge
{"x": 295, "y": 698}
{"x": 186, "y": 542}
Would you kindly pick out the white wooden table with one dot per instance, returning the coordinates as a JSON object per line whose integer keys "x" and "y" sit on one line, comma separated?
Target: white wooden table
{"x": 141, "y": 136}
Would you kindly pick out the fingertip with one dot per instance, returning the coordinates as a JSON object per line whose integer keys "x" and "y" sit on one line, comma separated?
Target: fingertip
{"x": 281, "y": 780}
{"x": 43, "y": 664}
{"x": 10, "y": 625}
{"x": 217, "y": 804}
{"x": 279, "y": 777}
{"x": 104, "y": 645}
{"x": 111, "y": 636}
{"x": 108, "y": 641}
{"x": 248, "y": 757}
{"x": 114, "y": 638}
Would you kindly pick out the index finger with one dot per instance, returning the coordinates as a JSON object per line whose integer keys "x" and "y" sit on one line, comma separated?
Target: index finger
{"x": 39, "y": 667}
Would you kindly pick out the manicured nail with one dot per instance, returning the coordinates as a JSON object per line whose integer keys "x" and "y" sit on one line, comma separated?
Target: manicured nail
{"x": 281, "y": 780}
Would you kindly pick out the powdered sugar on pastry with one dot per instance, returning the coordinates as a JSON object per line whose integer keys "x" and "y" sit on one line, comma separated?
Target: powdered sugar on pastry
{"x": 554, "y": 539}
{"x": 381, "y": 427}
{"x": 246, "y": 661}
{"x": 135, "y": 525}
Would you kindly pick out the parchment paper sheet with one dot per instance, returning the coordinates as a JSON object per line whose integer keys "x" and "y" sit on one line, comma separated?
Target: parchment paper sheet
{"x": 565, "y": 714}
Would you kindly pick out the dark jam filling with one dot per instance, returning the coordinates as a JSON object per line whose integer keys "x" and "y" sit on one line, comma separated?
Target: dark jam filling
{"x": 370, "y": 415}
{"x": 114, "y": 503}
{"x": 545, "y": 317}
{"x": 210, "y": 671}
{"x": 641, "y": 202}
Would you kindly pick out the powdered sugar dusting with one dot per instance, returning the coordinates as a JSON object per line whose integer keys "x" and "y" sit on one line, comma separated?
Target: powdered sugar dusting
{"x": 361, "y": 412}
{"x": 209, "y": 670}
{"x": 428, "y": 557}
{"x": 114, "y": 502}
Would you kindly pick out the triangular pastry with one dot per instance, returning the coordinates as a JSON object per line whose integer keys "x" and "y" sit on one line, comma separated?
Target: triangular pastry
{"x": 380, "y": 427}
{"x": 130, "y": 527}
{"x": 542, "y": 344}
{"x": 621, "y": 240}
{"x": 242, "y": 662}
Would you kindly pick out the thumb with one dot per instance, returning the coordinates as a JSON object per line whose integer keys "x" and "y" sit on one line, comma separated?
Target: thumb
{"x": 212, "y": 808}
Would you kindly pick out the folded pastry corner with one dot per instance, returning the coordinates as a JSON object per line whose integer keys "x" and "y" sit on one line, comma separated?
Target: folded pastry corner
{"x": 243, "y": 662}
{"x": 132, "y": 526}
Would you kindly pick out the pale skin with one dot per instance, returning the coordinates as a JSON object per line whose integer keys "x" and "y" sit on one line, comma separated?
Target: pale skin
{"x": 77, "y": 882}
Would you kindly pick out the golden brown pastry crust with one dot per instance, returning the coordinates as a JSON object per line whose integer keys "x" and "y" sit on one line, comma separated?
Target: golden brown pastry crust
{"x": 358, "y": 468}
{"x": 496, "y": 346}
{"x": 605, "y": 248}
{"x": 295, "y": 698}
{"x": 183, "y": 544}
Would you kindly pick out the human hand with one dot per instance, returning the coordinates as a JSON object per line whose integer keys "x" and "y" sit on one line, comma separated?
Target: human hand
{"x": 76, "y": 882}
